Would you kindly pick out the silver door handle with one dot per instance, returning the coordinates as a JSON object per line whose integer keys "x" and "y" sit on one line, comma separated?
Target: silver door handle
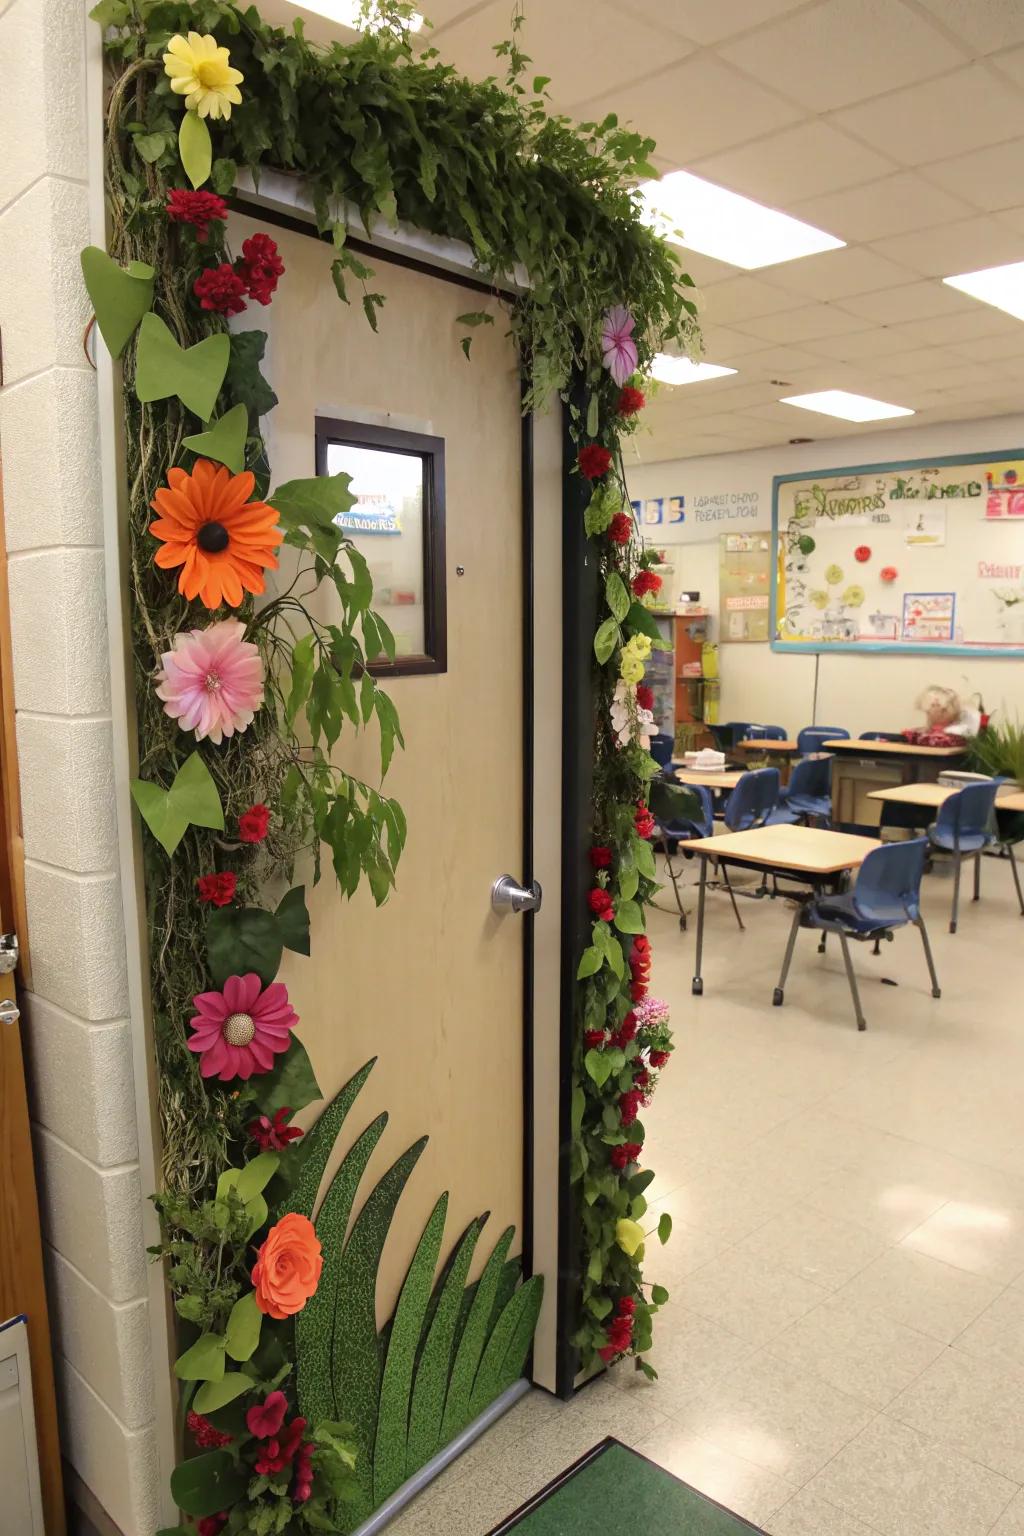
{"x": 507, "y": 895}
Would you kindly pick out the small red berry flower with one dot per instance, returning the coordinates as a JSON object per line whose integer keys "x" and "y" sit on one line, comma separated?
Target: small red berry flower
{"x": 594, "y": 461}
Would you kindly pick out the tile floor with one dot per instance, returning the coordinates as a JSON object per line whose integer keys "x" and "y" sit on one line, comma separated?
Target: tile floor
{"x": 843, "y": 1351}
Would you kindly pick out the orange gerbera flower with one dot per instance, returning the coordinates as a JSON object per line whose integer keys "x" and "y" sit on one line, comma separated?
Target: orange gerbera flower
{"x": 221, "y": 539}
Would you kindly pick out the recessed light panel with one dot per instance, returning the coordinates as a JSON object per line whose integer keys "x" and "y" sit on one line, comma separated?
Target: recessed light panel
{"x": 695, "y": 213}
{"x": 680, "y": 370}
{"x": 1002, "y": 287}
{"x": 847, "y": 406}
{"x": 349, "y": 13}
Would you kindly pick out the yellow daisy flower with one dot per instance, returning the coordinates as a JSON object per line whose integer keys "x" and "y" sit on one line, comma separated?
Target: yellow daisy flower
{"x": 200, "y": 72}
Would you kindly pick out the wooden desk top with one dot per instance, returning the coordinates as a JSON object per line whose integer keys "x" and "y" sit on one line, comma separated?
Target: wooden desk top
{"x": 811, "y": 850}
{"x": 1013, "y": 801}
{"x": 938, "y": 794}
{"x": 755, "y": 744}
{"x": 895, "y": 748}
{"x": 727, "y": 779}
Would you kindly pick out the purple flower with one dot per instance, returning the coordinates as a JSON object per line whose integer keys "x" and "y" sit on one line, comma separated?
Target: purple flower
{"x": 617, "y": 344}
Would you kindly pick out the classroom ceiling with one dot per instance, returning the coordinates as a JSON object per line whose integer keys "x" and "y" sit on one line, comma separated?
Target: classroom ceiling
{"x": 895, "y": 125}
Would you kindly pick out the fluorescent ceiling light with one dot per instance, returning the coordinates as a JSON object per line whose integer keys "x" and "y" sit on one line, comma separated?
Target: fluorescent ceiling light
{"x": 847, "y": 406}
{"x": 1002, "y": 287}
{"x": 680, "y": 370}
{"x": 348, "y": 13}
{"x": 689, "y": 211}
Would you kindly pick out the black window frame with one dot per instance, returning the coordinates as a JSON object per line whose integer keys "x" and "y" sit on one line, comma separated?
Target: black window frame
{"x": 430, "y": 451}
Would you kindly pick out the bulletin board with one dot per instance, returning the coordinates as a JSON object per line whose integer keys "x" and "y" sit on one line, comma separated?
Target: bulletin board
{"x": 921, "y": 556}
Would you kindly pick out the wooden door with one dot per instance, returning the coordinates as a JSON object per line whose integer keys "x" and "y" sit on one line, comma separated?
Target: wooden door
{"x": 431, "y": 983}
{"x": 22, "y": 1286}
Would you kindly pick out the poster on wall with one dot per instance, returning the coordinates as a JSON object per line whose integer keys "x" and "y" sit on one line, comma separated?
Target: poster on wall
{"x": 744, "y": 583}
{"x": 913, "y": 556}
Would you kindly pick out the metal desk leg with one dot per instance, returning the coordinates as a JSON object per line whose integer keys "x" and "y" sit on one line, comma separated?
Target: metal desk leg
{"x": 779, "y": 993}
{"x": 697, "y": 985}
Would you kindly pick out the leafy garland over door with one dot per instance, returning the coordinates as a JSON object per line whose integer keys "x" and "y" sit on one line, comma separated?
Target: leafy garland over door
{"x": 238, "y": 721}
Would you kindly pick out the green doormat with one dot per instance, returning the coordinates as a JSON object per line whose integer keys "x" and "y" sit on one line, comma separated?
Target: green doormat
{"x": 613, "y": 1488}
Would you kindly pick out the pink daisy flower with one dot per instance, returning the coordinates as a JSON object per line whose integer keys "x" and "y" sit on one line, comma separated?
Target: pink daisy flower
{"x": 617, "y": 344}
{"x": 212, "y": 681}
{"x": 240, "y": 1030}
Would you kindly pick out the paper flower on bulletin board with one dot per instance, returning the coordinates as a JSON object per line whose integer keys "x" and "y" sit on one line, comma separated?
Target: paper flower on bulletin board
{"x": 888, "y": 573}
{"x": 862, "y": 553}
{"x": 833, "y": 575}
{"x": 853, "y": 596}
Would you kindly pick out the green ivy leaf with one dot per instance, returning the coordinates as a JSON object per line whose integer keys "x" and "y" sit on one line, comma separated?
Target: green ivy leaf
{"x": 605, "y": 641}
{"x": 243, "y": 939}
{"x": 254, "y": 1177}
{"x": 293, "y": 921}
{"x": 598, "y": 1067}
{"x": 290, "y": 1083}
{"x": 664, "y": 1227}
{"x": 192, "y": 800}
{"x": 616, "y": 596}
{"x": 243, "y": 1331}
{"x": 639, "y": 621}
{"x": 644, "y": 854}
{"x": 222, "y": 177}
{"x": 194, "y": 374}
{"x": 302, "y": 677}
{"x": 204, "y": 1485}
{"x": 120, "y": 296}
{"x": 592, "y": 415}
{"x": 629, "y": 917}
{"x": 305, "y": 505}
{"x": 578, "y": 1105}
{"x": 224, "y": 439}
{"x": 150, "y": 146}
{"x": 195, "y": 148}
{"x": 217, "y": 1394}
{"x": 659, "y": 1295}
{"x": 204, "y": 1361}
{"x": 629, "y": 881}
{"x": 244, "y": 382}
{"x": 590, "y": 961}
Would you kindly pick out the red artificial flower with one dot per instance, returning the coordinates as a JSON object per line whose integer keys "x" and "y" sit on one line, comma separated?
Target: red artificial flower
{"x": 642, "y": 1079}
{"x": 303, "y": 1473}
{"x": 220, "y": 289}
{"x": 600, "y": 857}
{"x": 629, "y": 1105}
{"x": 620, "y": 529}
{"x": 594, "y": 461}
{"x": 644, "y": 582}
{"x": 279, "y": 1453}
{"x": 626, "y": 1030}
{"x": 640, "y": 967}
{"x": 627, "y": 1306}
{"x": 638, "y": 990}
{"x": 627, "y": 1153}
{"x": 659, "y": 1058}
{"x": 264, "y": 1419}
{"x": 644, "y": 696}
{"x": 218, "y": 889}
{"x": 630, "y": 401}
{"x": 594, "y": 1039}
{"x": 203, "y": 1432}
{"x": 199, "y": 209}
{"x": 644, "y": 822}
{"x": 260, "y": 267}
{"x": 212, "y": 1525}
{"x": 601, "y": 904}
{"x": 253, "y": 824}
{"x": 274, "y": 1135}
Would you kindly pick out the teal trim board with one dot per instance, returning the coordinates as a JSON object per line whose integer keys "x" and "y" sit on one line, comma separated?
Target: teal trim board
{"x": 613, "y": 1488}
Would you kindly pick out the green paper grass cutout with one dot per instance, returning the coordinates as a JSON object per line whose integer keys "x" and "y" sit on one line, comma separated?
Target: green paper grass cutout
{"x": 191, "y": 801}
{"x": 120, "y": 295}
{"x": 398, "y": 1389}
{"x": 224, "y": 439}
{"x": 195, "y": 148}
{"x": 194, "y": 374}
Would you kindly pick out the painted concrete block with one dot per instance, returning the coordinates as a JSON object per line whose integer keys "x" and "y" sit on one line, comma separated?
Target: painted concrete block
{"x": 43, "y": 103}
{"x": 120, "y": 1466}
{"x": 49, "y": 433}
{"x": 77, "y": 933}
{"x": 80, "y": 1081}
{"x": 93, "y": 1216}
{"x": 59, "y": 633}
{"x": 44, "y": 307}
{"x": 68, "y": 763}
{"x": 108, "y": 1345}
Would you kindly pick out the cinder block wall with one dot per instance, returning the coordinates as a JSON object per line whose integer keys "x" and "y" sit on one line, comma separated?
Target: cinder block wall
{"x": 78, "y": 1034}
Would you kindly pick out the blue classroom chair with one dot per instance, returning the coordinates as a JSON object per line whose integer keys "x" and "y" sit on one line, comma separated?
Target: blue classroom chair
{"x": 808, "y": 795}
{"x": 812, "y": 737}
{"x": 766, "y": 733}
{"x": 661, "y": 748}
{"x": 682, "y": 812}
{"x": 885, "y": 896}
{"x": 749, "y": 805}
{"x": 963, "y": 828}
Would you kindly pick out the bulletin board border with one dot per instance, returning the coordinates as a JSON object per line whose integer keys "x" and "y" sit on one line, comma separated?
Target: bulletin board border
{"x": 899, "y": 648}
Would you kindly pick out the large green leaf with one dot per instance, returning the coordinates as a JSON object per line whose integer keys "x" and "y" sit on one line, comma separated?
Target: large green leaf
{"x": 217, "y": 1394}
{"x": 314, "y": 1325}
{"x": 293, "y": 920}
{"x": 223, "y": 440}
{"x": 435, "y": 1361}
{"x": 355, "y": 1353}
{"x": 243, "y": 1331}
{"x": 195, "y": 148}
{"x": 194, "y": 374}
{"x": 192, "y": 800}
{"x": 467, "y": 1356}
{"x": 290, "y": 1084}
{"x": 307, "y": 503}
{"x": 204, "y": 1485}
{"x": 120, "y": 296}
{"x": 243, "y": 939}
{"x": 244, "y": 383}
{"x": 406, "y": 1331}
{"x": 318, "y": 1144}
{"x": 518, "y": 1317}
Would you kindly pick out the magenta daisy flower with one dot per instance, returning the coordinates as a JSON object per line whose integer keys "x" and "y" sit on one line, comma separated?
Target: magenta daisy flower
{"x": 617, "y": 344}
{"x": 240, "y": 1030}
{"x": 212, "y": 681}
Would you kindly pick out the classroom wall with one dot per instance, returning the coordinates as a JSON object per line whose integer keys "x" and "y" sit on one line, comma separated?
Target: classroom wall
{"x": 732, "y": 493}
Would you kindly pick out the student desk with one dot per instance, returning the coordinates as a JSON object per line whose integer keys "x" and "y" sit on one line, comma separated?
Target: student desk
{"x": 727, "y": 779}
{"x": 782, "y": 752}
{"x": 860, "y": 768}
{"x": 810, "y": 855}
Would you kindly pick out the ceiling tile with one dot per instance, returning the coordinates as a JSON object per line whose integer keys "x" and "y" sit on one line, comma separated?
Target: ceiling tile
{"x": 804, "y": 324}
{"x": 843, "y": 50}
{"x": 981, "y": 320}
{"x": 724, "y": 345}
{"x": 781, "y": 168}
{"x": 911, "y": 301}
{"x": 927, "y": 360}
{"x": 780, "y": 361}
{"x": 694, "y": 108}
{"x": 988, "y": 178}
{"x": 859, "y": 346}
{"x": 939, "y": 118}
{"x": 551, "y": 36}
{"x": 994, "y": 349}
{"x": 709, "y": 21}
{"x": 887, "y": 207}
{"x": 1009, "y": 63}
{"x": 983, "y": 24}
{"x": 741, "y": 298}
{"x": 705, "y": 270}
{"x": 836, "y": 274}
{"x": 1013, "y": 218}
{"x": 965, "y": 246}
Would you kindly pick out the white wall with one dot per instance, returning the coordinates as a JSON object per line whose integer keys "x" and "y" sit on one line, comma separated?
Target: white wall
{"x": 860, "y": 692}
{"x": 78, "y": 1034}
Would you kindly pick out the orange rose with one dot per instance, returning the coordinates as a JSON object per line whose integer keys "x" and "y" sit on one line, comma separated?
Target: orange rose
{"x": 288, "y": 1265}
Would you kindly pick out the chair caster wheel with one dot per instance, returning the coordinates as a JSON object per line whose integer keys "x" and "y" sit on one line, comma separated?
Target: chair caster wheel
{"x": 777, "y": 996}
{"x": 697, "y": 986}
{"x": 952, "y": 927}
{"x": 821, "y": 949}
{"x": 936, "y": 991}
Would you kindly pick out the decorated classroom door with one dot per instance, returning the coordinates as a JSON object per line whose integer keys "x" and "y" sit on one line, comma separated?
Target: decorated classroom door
{"x": 429, "y": 986}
